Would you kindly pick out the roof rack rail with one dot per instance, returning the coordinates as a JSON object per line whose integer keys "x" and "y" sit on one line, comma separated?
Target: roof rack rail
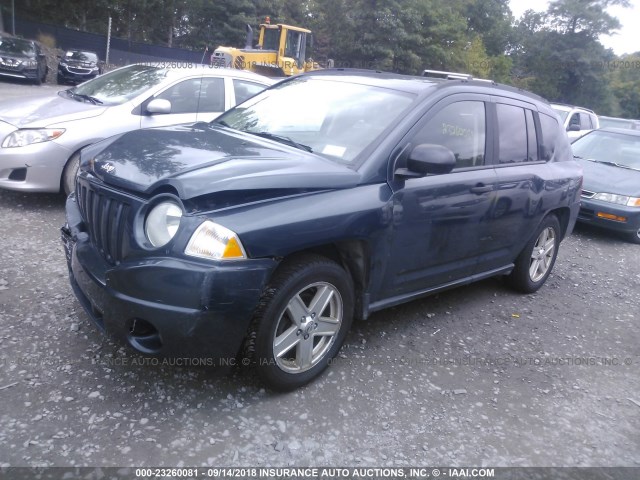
{"x": 453, "y": 75}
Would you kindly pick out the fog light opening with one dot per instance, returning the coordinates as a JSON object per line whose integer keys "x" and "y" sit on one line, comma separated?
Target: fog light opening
{"x": 18, "y": 175}
{"x": 143, "y": 336}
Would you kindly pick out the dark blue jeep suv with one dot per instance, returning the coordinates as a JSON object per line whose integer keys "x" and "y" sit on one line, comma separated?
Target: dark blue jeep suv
{"x": 329, "y": 196}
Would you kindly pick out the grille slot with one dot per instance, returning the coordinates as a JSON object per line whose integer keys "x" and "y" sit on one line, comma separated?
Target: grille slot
{"x": 587, "y": 194}
{"x": 106, "y": 219}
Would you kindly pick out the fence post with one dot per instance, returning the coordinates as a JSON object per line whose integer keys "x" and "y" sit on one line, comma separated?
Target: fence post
{"x": 106, "y": 60}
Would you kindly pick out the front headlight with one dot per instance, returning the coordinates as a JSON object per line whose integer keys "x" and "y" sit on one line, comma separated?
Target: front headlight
{"x": 162, "y": 223}
{"x": 215, "y": 242}
{"x": 618, "y": 199}
{"x": 28, "y": 136}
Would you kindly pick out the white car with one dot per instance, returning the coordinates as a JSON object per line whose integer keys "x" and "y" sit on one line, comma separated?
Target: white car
{"x": 41, "y": 136}
{"x": 577, "y": 120}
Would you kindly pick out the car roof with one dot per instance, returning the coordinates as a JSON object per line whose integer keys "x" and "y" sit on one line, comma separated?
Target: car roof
{"x": 80, "y": 50}
{"x": 185, "y": 69}
{"x": 567, "y": 108}
{"x": 419, "y": 84}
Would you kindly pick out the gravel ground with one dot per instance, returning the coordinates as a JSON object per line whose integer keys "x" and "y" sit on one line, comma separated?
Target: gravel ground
{"x": 475, "y": 376}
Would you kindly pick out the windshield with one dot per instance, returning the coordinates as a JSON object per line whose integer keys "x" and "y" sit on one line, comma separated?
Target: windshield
{"x": 563, "y": 113}
{"x": 120, "y": 86}
{"x": 81, "y": 56}
{"x": 15, "y": 46}
{"x": 332, "y": 118}
{"x": 608, "y": 147}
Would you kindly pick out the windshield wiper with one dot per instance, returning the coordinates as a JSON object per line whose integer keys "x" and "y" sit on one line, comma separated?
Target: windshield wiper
{"x": 613, "y": 164}
{"x": 282, "y": 139}
{"x": 82, "y": 96}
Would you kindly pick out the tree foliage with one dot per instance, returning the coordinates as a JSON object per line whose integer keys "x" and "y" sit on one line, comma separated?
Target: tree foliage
{"x": 554, "y": 53}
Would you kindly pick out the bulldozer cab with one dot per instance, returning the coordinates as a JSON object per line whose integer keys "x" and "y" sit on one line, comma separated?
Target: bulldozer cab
{"x": 289, "y": 44}
{"x": 280, "y": 52}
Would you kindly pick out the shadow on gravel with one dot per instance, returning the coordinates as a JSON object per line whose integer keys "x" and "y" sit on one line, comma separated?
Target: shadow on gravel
{"x": 30, "y": 201}
{"x": 591, "y": 232}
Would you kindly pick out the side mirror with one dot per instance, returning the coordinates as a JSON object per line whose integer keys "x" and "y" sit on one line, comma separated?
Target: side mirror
{"x": 428, "y": 158}
{"x": 159, "y": 105}
{"x": 574, "y": 127}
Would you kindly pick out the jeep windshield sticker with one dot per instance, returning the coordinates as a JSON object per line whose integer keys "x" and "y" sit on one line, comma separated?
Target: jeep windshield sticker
{"x": 334, "y": 150}
{"x": 456, "y": 131}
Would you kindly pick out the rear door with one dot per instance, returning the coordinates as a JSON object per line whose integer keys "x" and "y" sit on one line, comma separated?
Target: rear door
{"x": 438, "y": 220}
{"x": 520, "y": 188}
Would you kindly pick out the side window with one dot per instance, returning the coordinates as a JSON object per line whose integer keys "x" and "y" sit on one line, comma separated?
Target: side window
{"x": 585, "y": 122}
{"x": 550, "y": 129}
{"x": 183, "y": 96}
{"x": 575, "y": 119}
{"x": 461, "y": 127}
{"x": 532, "y": 140}
{"x": 293, "y": 43}
{"x": 212, "y": 95}
{"x": 512, "y": 134}
{"x": 245, "y": 90}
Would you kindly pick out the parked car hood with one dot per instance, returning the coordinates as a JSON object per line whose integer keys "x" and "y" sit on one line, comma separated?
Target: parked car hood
{"x": 45, "y": 110}
{"x": 198, "y": 161}
{"x": 603, "y": 178}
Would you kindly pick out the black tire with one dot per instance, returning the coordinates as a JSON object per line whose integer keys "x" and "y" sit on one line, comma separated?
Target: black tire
{"x": 37, "y": 80}
{"x": 634, "y": 237}
{"x": 68, "y": 180}
{"x": 535, "y": 262}
{"x": 295, "y": 286}
{"x": 60, "y": 80}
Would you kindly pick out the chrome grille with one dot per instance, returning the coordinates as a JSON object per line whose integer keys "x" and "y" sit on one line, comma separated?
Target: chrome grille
{"x": 587, "y": 194}
{"x": 106, "y": 219}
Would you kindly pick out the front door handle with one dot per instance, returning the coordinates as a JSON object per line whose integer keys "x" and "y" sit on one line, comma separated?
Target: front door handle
{"x": 481, "y": 188}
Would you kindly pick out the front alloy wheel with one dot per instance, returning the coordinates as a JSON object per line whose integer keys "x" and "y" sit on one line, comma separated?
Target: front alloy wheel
{"x": 307, "y": 327}
{"x": 536, "y": 260}
{"x": 301, "y": 321}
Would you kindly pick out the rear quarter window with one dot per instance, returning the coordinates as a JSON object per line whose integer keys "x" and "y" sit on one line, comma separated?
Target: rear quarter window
{"x": 554, "y": 144}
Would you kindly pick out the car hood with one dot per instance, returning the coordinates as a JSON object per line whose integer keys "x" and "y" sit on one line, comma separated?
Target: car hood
{"x": 602, "y": 178}
{"x": 45, "y": 110}
{"x": 201, "y": 160}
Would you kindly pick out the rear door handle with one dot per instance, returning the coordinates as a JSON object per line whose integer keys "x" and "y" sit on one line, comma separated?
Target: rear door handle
{"x": 481, "y": 188}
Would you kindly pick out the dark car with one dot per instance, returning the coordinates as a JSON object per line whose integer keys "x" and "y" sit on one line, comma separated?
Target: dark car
{"x": 325, "y": 198}
{"x": 77, "y": 66}
{"x": 22, "y": 59}
{"x": 610, "y": 158}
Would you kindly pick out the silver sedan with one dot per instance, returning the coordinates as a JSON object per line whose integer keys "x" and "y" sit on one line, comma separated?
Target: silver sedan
{"x": 41, "y": 136}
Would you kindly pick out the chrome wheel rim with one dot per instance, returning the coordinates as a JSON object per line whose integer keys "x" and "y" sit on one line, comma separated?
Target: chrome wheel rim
{"x": 307, "y": 327}
{"x": 542, "y": 254}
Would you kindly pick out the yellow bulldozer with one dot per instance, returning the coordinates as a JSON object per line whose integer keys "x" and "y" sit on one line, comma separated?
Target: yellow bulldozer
{"x": 281, "y": 52}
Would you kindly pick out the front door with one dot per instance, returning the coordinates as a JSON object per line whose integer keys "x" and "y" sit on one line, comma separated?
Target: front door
{"x": 439, "y": 221}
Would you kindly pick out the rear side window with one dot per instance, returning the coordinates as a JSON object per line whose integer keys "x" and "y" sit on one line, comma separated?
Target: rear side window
{"x": 550, "y": 130}
{"x": 585, "y": 122}
{"x": 512, "y": 134}
{"x": 461, "y": 127}
{"x": 245, "y": 90}
{"x": 212, "y": 95}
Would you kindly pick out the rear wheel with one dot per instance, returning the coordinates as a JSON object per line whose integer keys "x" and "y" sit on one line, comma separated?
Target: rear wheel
{"x": 69, "y": 174}
{"x": 301, "y": 322}
{"x": 535, "y": 262}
